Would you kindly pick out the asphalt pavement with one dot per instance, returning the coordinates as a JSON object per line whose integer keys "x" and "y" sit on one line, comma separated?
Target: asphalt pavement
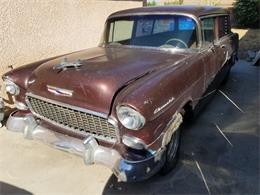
{"x": 219, "y": 153}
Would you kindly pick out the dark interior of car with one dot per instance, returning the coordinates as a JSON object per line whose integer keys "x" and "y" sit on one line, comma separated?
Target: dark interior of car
{"x": 160, "y": 39}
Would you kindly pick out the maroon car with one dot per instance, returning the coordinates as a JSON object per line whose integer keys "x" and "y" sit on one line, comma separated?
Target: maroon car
{"x": 122, "y": 104}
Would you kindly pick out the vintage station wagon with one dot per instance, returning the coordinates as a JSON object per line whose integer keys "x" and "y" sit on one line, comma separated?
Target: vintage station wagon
{"x": 122, "y": 104}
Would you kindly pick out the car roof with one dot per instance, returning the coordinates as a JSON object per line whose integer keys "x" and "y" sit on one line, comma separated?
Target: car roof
{"x": 196, "y": 11}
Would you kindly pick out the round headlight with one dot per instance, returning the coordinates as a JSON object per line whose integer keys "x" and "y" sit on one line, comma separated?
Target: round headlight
{"x": 130, "y": 118}
{"x": 12, "y": 88}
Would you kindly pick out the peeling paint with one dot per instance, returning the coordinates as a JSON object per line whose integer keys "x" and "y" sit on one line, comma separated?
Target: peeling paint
{"x": 148, "y": 101}
{"x": 172, "y": 127}
{"x": 159, "y": 154}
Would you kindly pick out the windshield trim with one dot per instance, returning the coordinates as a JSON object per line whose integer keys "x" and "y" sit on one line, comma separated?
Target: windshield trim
{"x": 197, "y": 21}
{"x": 171, "y": 50}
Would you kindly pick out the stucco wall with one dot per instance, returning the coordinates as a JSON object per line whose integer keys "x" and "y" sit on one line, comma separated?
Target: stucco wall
{"x": 225, "y": 3}
{"x": 31, "y": 30}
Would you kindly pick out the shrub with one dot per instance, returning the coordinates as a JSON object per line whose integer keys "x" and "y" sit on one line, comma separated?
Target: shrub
{"x": 153, "y": 3}
{"x": 175, "y": 2}
{"x": 247, "y": 13}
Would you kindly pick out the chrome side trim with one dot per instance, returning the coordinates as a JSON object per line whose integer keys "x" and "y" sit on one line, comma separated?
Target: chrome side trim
{"x": 110, "y": 120}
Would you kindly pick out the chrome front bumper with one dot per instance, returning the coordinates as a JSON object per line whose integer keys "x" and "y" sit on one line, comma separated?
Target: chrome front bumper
{"x": 89, "y": 150}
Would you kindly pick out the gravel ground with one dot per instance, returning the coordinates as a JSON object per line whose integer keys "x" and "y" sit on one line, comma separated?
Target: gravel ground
{"x": 219, "y": 154}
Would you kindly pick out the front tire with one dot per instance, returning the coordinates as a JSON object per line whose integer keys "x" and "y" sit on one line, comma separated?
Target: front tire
{"x": 172, "y": 153}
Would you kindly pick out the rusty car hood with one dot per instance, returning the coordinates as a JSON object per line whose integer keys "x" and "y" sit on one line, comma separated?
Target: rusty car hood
{"x": 103, "y": 72}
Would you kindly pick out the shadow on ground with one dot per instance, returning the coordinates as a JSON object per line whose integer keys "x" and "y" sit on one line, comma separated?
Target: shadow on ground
{"x": 7, "y": 189}
{"x": 220, "y": 149}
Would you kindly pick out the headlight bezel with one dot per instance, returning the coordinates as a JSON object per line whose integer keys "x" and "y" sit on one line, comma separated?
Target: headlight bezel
{"x": 127, "y": 114}
{"x": 11, "y": 87}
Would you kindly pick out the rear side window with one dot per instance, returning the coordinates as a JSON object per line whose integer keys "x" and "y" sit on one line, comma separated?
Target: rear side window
{"x": 224, "y": 26}
{"x": 208, "y": 29}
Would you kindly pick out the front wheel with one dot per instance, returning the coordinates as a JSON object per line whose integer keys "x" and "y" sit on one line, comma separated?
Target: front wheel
{"x": 172, "y": 153}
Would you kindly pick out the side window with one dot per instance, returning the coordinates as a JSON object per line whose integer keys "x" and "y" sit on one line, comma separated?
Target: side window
{"x": 164, "y": 25}
{"x": 120, "y": 30}
{"x": 224, "y": 26}
{"x": 208, "y": 30}
{"x": 144, "y": 27}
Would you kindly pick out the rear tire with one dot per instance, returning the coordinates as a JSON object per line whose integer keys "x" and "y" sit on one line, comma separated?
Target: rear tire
{"x": 225, "y": 80}
{"x": 231, "y": 63}
{"x": 172, "y": 153}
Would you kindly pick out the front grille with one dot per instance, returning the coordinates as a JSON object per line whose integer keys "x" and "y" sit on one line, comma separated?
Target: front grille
{"x": 72, "y": 119}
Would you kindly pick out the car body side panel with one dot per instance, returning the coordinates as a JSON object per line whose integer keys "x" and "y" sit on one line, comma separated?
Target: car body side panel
{"x": 158, "y": 96}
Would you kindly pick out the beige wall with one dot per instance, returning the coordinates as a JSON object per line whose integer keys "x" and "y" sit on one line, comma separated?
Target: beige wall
{"x": 225, "y": 3}
{"x": 36, "y": 29}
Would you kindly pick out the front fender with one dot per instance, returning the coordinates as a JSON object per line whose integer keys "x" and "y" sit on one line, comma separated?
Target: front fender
{"x": 159, "y": 95}
{"x": 157, "y": 99}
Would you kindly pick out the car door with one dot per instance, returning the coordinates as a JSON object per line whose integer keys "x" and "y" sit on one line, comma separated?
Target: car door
{"x": 209, "y": 49}
{"x": 223, "y": 43}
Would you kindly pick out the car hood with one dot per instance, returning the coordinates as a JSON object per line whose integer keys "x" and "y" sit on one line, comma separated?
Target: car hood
{"x": 101, "y": 74}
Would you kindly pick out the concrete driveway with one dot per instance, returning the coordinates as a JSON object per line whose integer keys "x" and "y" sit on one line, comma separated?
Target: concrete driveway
{"x": 219, "y": 154}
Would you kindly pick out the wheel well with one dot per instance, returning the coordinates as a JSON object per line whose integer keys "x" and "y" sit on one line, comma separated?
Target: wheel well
{"x": 188, "y": 111}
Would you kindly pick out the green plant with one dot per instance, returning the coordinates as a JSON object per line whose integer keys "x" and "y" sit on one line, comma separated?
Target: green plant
{"x": 153, "y": 3}
{"x": 247, "y": 13}
{"x": 175, "y": 2}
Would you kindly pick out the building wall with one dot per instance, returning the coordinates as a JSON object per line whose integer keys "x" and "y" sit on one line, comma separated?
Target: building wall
{"x": 225, "y": 3}
{"x": 31, "y": 30}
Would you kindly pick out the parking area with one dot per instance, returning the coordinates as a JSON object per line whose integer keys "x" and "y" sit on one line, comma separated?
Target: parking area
{"x": 219, "y": 153}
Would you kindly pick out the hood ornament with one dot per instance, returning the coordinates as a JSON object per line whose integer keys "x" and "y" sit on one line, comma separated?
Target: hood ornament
{"x": 65, "y": 64}
{"x": 59, "y": 91}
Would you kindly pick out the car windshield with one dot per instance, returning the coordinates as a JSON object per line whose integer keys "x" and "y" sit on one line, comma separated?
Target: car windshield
{"x": 160, "y": 31}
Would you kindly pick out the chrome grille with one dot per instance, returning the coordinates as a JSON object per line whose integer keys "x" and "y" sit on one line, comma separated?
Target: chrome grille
{"x": 72, "y": 119}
